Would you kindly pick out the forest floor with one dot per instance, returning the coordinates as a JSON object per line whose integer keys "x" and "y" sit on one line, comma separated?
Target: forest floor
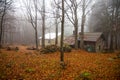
{"x": 80, "y": 65}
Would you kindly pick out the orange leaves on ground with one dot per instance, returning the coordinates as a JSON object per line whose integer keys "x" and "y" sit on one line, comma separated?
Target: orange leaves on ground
{"x": 30, "y": 65}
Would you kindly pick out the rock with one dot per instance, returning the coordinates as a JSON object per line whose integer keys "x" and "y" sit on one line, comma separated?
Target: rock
{"x": 31, "y": 48}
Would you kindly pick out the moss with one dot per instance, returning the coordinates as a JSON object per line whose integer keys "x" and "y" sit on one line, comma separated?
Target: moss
{"x": 67, "y": 48}
{"x": 30, "y": 70}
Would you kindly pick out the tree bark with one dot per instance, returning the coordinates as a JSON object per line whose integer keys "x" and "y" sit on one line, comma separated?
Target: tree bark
{"x": 76, "y": 36}
{"x": 1, "y": 30}
{"x": 1, "y": 24}
{"x": 43, "y": 25}
{"x": 36, "y": 33}
{"x": 76, "y": 28}
{"x": 56, "y": 23}
{"x": 74, "y": 19}
{"x": 82, "y": 26}
{"x": 62, "y": 37}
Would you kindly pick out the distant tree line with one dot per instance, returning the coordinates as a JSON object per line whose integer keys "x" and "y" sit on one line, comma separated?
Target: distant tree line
{"x": 5, "y": 20}
{"x": 105, "y": 18}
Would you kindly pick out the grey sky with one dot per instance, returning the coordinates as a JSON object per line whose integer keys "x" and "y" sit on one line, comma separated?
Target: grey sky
{"x": 20, "y": 12}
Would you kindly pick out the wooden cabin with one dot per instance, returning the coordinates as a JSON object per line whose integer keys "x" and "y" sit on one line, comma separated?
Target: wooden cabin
{"x": 93, "y": 42}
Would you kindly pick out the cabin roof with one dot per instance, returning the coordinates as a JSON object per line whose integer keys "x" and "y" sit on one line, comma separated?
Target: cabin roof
{"x": 92, "y": 36}
{"x": 88, "y": 36}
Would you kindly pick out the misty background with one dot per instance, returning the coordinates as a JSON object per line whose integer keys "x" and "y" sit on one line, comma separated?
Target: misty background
{"x": 18, "y": 29}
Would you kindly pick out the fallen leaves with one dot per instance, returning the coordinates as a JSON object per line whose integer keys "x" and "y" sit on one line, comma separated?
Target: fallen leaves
{"x": 79, "y": 64}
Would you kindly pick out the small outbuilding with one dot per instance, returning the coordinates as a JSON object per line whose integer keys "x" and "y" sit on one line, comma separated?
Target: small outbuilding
{"x": 93, "y": 42}
{"x": 50, "y": 39}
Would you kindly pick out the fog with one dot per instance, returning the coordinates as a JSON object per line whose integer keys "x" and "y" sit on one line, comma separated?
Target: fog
{"x": 98, "y": 14}
{"x": 20, "y": 13}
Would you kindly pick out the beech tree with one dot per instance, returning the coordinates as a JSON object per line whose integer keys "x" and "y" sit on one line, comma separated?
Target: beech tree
{"x": 56, "y": 21}
{"x": 62, "y": 7}
{"x": 73, "y": 7}
{"x": 72, "y": 15}
{"x": 85, "y": 10}
{"x": 32, "y": 17}
{"x": 62, "y": 37}
{"x": 5, "y": 5}
{"x": 43, "y": 24}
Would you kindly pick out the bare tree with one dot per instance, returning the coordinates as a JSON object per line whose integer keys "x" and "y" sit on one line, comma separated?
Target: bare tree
{"x": 5, "y": 6}
{"x": 43, "y": 24}
{"x": 1, "y": 23}
{"x": 82, "y": 25}
{"x": 56, "y": 16}
{"x": 72, "y": 10}
{"x": 56, "y": 23}
{"x": 36, "y": 32}
{"x": 85, "y": 11}
{"x": 32, "y": 18}
{"x": 62, "y": 37}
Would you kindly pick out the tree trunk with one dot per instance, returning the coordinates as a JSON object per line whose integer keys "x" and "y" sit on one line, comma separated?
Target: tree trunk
{"x": 82, "y": 26}
{"x": 111, "y": 42}
{"x": 36, "y": 39}
{"x": 76, "y": 28}
{"x": 56, "y": 39}
{"x": 1, "y": 25}
{"x": 1, "y": 31}
{"x": 56, "y": 23}
{"x": 76, "y": 37}
{"x": 43, "y": 25}
{"x": 62, "y": 36}
{"x": 36, "y": 33}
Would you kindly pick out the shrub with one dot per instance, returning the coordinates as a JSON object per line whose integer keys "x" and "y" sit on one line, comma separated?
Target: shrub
{"x": 53, "y": 48}
{"x": 49, "y": 49}
{"x": 12, "y": 48}
{"x": 83, "y": 76}
{"x": 67, "y": 48}
{"x": 16, "y": 48}
{"x": 8, "y": 48}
